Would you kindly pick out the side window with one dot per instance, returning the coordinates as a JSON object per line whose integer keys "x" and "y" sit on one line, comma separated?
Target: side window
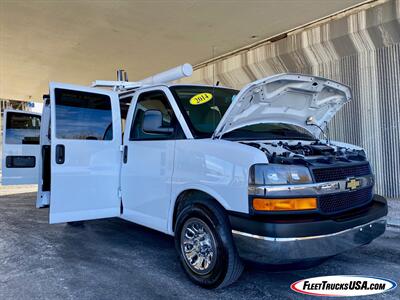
{"x": 155, "y": 101}
{"x": 83, "y": 116}
{"x": 22, "y": 128}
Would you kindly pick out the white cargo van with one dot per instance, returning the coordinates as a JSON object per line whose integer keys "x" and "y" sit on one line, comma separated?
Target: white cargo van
{"x": 232, "y": 175}
{"x": 21, "y": 147}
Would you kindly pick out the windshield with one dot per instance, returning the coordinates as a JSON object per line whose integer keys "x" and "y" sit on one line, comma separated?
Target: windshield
{"x": 203, "y": 106}
{"x": 270, "y": 131}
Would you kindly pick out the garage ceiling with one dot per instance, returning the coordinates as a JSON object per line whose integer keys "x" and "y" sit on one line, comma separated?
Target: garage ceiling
{"x": 80, "y": 41}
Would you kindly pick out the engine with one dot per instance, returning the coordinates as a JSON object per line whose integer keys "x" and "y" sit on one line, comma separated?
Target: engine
{"x": 307, "y": 152}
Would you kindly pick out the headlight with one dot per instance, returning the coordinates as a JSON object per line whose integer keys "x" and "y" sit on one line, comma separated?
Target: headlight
{"x": 274, "y": 174}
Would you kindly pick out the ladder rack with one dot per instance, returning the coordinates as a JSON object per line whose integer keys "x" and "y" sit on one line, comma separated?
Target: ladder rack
{"x": 176, "y": 73}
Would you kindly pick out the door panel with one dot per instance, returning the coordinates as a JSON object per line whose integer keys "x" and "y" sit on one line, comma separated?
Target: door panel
{"x": 146, "y": 182}
{"x": 146, "y": 173}
{"x": 21, "y": 149}
{"x": 85, "y": 153}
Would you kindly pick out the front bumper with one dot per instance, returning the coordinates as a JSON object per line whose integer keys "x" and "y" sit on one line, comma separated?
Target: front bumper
{"x": 282, "y": 242}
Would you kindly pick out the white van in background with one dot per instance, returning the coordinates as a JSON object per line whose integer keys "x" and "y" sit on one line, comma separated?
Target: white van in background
{"x": 20, "y": 147}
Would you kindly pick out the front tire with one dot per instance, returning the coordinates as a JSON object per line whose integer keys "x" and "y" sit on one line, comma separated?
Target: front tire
{"x": 205, "y": 246}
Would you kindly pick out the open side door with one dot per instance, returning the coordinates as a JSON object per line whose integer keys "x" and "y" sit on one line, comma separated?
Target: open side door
{"x": 21, "y": 149}
{"x": 85, "y": 153}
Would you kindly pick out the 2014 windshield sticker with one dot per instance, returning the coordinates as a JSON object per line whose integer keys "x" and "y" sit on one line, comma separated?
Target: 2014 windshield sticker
{"x": 343, "y": 286}
{"x": 200, "y": 98}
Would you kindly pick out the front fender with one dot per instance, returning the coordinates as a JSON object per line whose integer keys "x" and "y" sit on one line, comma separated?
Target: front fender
{"x": 217, "y": 167}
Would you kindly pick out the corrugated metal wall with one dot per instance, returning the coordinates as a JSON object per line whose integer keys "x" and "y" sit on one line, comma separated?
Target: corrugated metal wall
{"x": 359, "y": 48}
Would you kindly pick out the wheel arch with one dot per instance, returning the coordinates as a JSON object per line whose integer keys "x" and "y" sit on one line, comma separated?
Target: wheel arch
{"x": 183, "y": 196}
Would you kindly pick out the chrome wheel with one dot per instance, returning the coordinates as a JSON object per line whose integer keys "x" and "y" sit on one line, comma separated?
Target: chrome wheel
{"x": 198, "y": 246}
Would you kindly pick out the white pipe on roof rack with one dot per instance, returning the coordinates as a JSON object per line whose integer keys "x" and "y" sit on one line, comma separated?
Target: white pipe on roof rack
{"x": 176, "y": 73}
{"x": 179, "y": 72}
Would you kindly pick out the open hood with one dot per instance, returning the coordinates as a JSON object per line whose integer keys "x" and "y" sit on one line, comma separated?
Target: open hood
{"x": 286, "y": 98}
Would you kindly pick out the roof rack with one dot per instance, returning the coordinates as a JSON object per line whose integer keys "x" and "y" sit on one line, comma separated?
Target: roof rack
{"x": 122, "y": 84}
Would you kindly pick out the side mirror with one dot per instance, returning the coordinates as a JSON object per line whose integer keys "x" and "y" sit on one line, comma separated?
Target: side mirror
{"x": 152, "y": 123}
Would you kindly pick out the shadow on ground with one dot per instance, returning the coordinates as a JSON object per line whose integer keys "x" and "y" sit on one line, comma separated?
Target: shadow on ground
{"x": 112, "y": 258}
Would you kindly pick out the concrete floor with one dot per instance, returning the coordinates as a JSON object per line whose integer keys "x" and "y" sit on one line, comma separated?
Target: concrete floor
{"x": 108, "y": 259}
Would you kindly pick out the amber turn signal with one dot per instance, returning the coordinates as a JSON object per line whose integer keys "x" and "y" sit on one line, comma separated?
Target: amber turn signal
{"x": 284, "y": 204}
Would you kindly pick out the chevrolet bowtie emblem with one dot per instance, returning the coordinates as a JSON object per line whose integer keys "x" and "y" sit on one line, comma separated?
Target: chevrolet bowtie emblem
{"x": 352, "y": 184}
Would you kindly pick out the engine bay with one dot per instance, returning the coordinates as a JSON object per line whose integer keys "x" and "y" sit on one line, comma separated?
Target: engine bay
{"x": 306, "y": 153}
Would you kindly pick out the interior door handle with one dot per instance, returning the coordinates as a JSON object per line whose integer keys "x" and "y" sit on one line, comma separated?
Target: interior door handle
{"x": 60, "y": 154}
